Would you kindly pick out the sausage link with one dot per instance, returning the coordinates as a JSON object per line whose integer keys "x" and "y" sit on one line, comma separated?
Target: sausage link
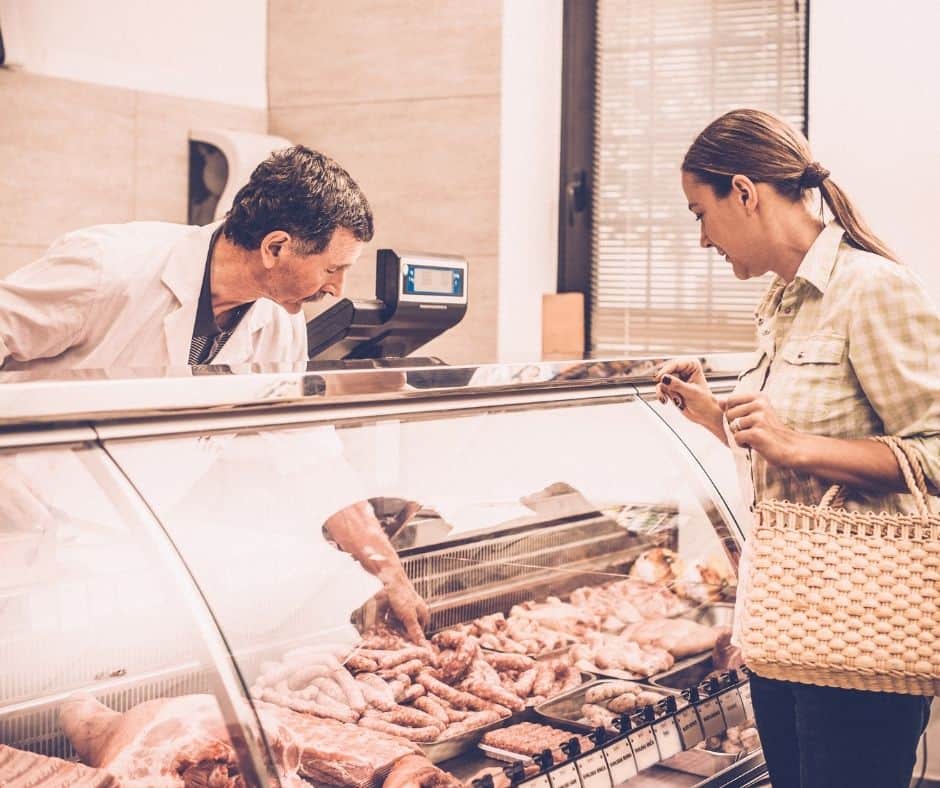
{"x": 411, "y": 694}
{"x": 350, "y": 687}
{"x": 412, "y": 734}
{"x": 456, "y": 698}
{"x": 525, "y": 682}
{"x": 498, "y": 695}
{"x": 476, "y": 720}
{"x": 517, "y": 662}
{"x": 429, "y": 705}
{"x": 411, "y": 717}
{"x": 317, "y": 708}
{"x": 357, "y": 663}
{"x": 302, "y": 676}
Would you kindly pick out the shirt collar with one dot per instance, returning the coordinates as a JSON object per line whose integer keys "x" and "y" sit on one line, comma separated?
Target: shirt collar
{"x": 816, "y": 267}
{"x": 205, "y": 325}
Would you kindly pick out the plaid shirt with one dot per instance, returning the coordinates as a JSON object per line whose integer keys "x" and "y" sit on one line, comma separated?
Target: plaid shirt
{"x": 850, "y": 348}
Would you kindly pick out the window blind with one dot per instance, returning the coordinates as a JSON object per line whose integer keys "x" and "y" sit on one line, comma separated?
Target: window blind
{"x": 664, "y": 71}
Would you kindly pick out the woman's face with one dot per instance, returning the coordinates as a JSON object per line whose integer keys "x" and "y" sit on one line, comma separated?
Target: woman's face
{"x": 727, "y": 225}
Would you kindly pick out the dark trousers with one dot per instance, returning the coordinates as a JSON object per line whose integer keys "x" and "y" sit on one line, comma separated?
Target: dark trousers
{"x": 822, "y": 737}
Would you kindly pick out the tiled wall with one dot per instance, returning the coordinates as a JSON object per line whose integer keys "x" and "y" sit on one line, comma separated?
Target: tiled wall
{"x": 406, "y": 95}
{"x": 74, "y": 154}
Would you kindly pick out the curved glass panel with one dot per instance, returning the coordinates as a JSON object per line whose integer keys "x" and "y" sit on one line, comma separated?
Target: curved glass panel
{"x": 580, "y": 532}
{"x": 93, "y": 624}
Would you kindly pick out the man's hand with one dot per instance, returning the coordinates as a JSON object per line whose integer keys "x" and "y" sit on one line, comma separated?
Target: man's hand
{"x": 755, "y": 424}
{"x": 358, "y": 532}
{"x": 682, "y": 382}
{"x": 407, "y": 606}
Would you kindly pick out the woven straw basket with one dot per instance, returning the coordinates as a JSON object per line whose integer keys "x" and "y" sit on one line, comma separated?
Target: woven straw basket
{"x": 846, "y": 599}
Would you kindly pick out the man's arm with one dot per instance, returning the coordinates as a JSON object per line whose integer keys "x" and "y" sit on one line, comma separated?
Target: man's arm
{"x": 358, "y": 532}
{"x": 44, "y": 306}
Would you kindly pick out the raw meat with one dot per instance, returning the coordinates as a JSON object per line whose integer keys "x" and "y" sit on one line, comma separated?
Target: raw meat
{"x": 169, "y": 742}
{"x": 679, "y": 636}
{"x": 21, "y": 769}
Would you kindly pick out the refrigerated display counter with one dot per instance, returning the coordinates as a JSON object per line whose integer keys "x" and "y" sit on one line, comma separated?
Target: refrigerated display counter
{"x": 174, "y": 609}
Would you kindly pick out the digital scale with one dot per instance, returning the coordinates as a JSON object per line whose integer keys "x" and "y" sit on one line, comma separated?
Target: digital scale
{"x": 418, "y": 296}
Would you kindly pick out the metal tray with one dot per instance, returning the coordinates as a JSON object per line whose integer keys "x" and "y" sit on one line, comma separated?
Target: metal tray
{"x": 564, "y": 710}
{"x": 685, "y": 673}
{"x": 503, "y": 755}
{"x": 444, "y": 749}
{"x": 704, "y": 763}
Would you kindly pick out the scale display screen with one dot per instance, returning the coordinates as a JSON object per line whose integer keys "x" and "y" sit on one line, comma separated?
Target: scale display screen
{"x": 432, "y": 281}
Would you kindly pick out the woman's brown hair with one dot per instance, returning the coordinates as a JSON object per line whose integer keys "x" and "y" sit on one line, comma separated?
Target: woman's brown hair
{"x": 768, "y": 150}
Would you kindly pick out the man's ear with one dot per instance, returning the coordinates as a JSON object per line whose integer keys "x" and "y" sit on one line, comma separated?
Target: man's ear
{"x": 744, "y": 192}
{"x": 272, "y": 245}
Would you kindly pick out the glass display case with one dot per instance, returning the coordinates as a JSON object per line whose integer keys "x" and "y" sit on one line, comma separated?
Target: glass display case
{"x": 204, "y": 579}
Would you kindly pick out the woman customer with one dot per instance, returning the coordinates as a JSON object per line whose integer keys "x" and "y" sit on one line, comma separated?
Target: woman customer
{"x": 848, "y": 348}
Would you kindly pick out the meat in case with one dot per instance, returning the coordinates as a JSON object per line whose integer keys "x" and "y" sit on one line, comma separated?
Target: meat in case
{"x": 174, "y": 613}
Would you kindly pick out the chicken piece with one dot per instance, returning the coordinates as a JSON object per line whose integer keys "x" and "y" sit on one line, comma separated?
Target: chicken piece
{"x": 659, "y": 565}
{"x": 679, "y": 636}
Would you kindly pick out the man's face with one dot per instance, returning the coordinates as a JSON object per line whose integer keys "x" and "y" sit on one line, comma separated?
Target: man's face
{"x": 293, "y": 278}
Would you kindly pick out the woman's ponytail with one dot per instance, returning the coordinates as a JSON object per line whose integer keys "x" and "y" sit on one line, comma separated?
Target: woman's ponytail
{"x": 856, "y": 229}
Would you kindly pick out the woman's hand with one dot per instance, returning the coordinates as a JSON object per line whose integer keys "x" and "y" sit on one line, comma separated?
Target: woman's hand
{"x": 682, "y": 381}
{"x": 755, "y": 424}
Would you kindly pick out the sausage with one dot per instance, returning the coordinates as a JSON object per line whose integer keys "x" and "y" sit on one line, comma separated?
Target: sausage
{"x": 525, "y": 682}
{"x": 622, "y": 703}
{"x": 332, "y": 710}
{"x": 360, "y": 664}
{"x": 544, "y": 680}
{"x": 411, "y": 693}
{"x": 476, "y": 720}
{"x": 412, "y": 734}
{"x": 394, "y": 658}
{"x": 301, "y": 677}
{"x": 430, "y": 705}
{"x": 456, "y": 667}
{"x": 376, "y": 692}
{"x": 517, "y": 662}
{"x": 496, "y": 694}
{"x": 572, "y": 680}
{"x": 411, "y": 717}
{"x": 328, "y": 686}
{"x": 456, "y": 698}
{"x": 610, "y": 689}
{"x": 350, "y": 687}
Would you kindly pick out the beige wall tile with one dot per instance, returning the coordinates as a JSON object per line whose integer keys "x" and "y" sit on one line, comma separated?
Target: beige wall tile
{"x": 13, "y": 256}
{"x": 321, "y": 52}
{"x": 161, "y": 164}
{"x": 429, "y": 168}
{"x": 66, "y": 152}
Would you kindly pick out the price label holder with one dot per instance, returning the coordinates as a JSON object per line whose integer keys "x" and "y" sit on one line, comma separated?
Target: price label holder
{"x": 643, "y": 742}
{"x": 667, "y": 737}
{"x": 565, "y": 776}
{"x": 744, "y": 690}
{"x": 709, "y": 709}
{"x": 539, "y": 781}
{"x": 593, "y": 770}
{"x": 690, "y": 727}
{"x": 620, "y": 760}
{"x": 732, "y": 707}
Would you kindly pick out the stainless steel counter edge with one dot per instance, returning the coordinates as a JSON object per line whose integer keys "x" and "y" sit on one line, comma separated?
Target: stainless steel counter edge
{"x": 92, "y": 396}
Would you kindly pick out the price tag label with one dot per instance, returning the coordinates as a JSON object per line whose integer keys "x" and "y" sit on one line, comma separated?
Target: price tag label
{"x": 644, "y": 748}
{"x": 565, "y": 777}
{"x": 745, "y": 692}
{"x": 667, "y": 738}
{"x": 593, "y": 771}
{"x": 620, "y": 761}
{"x": 539, "y": 781}
{"x": 689, "y": 727}
{"x": 713, "y": 722}
{"x": 732, "y": 708}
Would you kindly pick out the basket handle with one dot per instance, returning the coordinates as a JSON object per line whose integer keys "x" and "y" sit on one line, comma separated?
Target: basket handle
{"x": 911, "y": 469}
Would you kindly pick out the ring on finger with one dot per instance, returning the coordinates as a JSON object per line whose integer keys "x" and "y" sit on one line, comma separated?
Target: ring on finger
{"x": 736, "y": 425}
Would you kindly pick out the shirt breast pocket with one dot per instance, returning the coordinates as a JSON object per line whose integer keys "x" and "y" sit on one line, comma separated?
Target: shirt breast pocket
{"x": 819, "y": 350}
{"x": 813, "y": 385}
